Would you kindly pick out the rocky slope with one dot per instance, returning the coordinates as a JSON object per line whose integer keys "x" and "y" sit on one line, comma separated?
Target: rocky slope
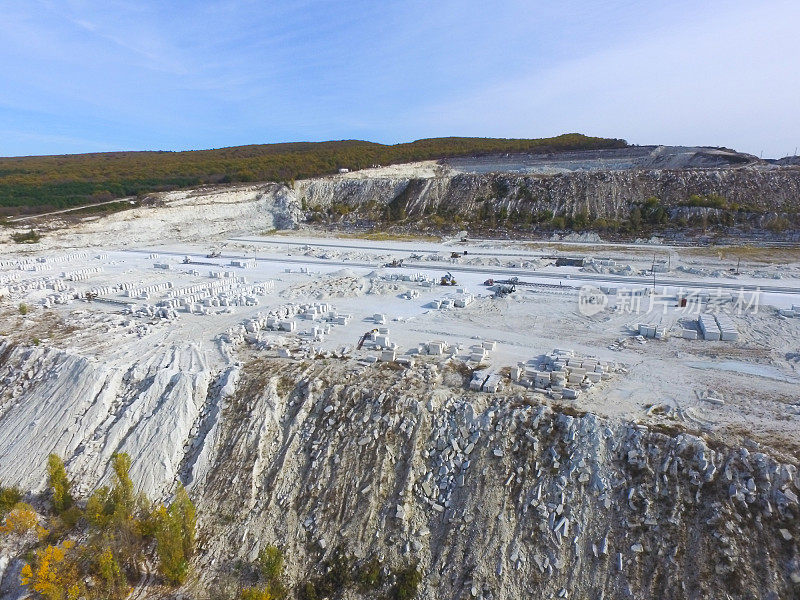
{"x": 84, "y": 409}
{"x": 494, "y": 496}
{"x": 204, "y": 213}
{"x": 602, "y": 188}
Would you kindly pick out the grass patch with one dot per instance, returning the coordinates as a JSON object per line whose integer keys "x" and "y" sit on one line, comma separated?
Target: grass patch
{"x": 274, "y": 232}
{"x": 407, "y": 580}
{"x": 102, "y": 209}
{"x": 670, "y": 429}
{"x": 385, "y": 236}
{"x": 369, "y": 576}
{"x": 568, "y": 410}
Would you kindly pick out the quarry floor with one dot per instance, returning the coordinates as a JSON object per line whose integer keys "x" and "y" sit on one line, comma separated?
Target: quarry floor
{"x": 661, "y": 382}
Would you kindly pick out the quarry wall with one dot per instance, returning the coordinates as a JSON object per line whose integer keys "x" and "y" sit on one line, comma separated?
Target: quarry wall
{"x": 601, "y": 194}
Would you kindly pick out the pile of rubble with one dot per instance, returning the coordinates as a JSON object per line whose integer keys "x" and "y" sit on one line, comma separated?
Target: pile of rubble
{"x": 563, "y": 374}
{"x": 455, "y": 432}
{"x": 152, "y": 312}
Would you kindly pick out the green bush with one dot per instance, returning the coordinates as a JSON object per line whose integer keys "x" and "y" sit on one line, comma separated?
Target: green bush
{"x": 635, "y": 218}
{"x": 71, "y": 516}
{"x": 500, "y": 187}
{"x": 100, "y": 508}
{"x": 26, "y": 238}
{"x": 339, "y": 209}
{"x": 173, "y": 563}
{"x": 307, "y": 591}
{"x": 175, "y": 537}
{"x": 113, "y": 582}
{"x": 368, "y": 575}
{"x": 9, "y": 496}
{"x": 407, "y": 582}
{"x": 59, "y": 484}
{"x": 653, "y": 212}
{"x": 270, "y": 563}
{"x": 122, "y": 490}
{"x": 705, "y": 201}
{"x": 116, "y": 504}
{"x": 337, "y": 576}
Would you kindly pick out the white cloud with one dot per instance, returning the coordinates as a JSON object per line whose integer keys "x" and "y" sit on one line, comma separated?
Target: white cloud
{"x": 728, "y": 80}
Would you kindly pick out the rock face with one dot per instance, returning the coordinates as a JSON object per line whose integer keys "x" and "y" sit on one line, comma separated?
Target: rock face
{"x": 54, "y": 401}
{"x": 601, "y": 194}
{"x": 495, "y": 496}
{"x": 500, "y": 498}
{"x": 601, "y": 184}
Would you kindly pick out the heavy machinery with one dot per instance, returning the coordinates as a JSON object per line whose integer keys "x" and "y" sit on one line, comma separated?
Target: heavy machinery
{"x": 365, "y": 336}
{"x": 502, "y": 289}
{"x": 214, "y": 254}
{"x": 188, "y": 260}
{"x": 448, "y": 279}
{"x": 395, "y": 263}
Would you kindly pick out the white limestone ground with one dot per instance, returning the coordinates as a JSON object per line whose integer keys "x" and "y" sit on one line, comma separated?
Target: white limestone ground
{"x": 106, "y": 377}
{"x": 250, "y": 413}
{"x": 422, "y": 170}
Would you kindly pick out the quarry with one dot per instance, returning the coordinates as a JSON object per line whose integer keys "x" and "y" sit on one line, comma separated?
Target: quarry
{"x": 515, "y": 416}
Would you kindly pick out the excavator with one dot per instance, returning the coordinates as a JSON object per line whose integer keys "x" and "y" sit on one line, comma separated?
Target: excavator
{"x": 365, "y": 336}
{"x": 448, "y": 279}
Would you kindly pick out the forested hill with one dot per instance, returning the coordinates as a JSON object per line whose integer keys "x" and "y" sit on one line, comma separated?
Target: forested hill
{"x": 39, "y": 183}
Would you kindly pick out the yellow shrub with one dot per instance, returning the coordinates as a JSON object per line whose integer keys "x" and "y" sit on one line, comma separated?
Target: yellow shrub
{"x": 54, "y": 574}
{"x": 256, "y": 594}
{"x": 20, "y": 520}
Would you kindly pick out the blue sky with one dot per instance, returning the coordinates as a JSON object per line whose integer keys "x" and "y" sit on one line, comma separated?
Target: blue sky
{"x": 81, "y": 76}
